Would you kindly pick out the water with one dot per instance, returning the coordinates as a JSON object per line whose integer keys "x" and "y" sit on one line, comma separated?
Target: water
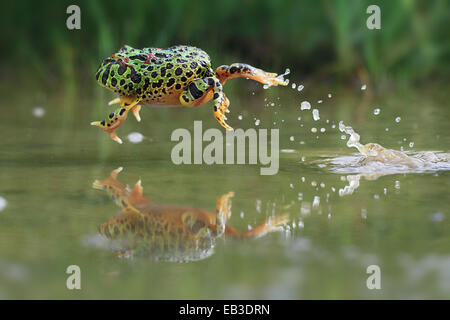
{"x": 345, "y": 213}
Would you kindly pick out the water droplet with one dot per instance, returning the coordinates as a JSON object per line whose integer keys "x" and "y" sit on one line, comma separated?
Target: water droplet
{"x": 305, "y": 105}
{"x": 257, "y": 122}
{"x": 322, "y": 129}
{"x": 320, "y": 101}
{"x": 411, "y": 144}
{"x": 437, "y": 217}
{"x": 316, "y": 202}
{"x": 300, "y": 88}
{"x": 315, "y": 114}
{"x": 376, "y": 111}
{"x": 398, "y": 119}
{"x": 135, "y": 137}
{"x": 329, "y": 95}
{"x": 313, "y": 130}
{"x": 364, "y": 213}
{"x": 38, "y": 112}
{"x": 240, "y": 117}
{"x": 3, "y": 203}
{"x": 363, "y": 87}
{"x": 291, "y": 138}
{"x": 294, "y": 85}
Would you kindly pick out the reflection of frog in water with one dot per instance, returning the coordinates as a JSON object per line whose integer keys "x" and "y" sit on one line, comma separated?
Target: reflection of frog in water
{"x": 169, "y": 232}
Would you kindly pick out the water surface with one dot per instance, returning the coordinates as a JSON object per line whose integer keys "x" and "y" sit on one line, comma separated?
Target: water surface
{"x": 341, "y": 218}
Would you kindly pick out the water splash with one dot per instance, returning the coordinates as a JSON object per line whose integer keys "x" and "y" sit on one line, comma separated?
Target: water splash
{"x": 281, "y": 78}
{"x": 374, "y": 158}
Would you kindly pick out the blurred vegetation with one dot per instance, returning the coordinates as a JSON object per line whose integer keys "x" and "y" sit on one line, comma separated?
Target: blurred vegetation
{"x": 328, "y": 39}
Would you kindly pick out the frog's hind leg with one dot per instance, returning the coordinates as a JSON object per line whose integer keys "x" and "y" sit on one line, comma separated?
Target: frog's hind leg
{"x": 116, "y": 118}
{"x": 242, "y": 70}
{"x": 271, "y": 225}
{"x": 200, "y": 91}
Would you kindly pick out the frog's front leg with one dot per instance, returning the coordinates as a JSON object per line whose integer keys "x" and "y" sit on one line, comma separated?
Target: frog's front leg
{"x": 198, "y": 92}
{"x": 242, "y": 70}
{"x": 116, "y": 118}
{"x": 135, "y": 109}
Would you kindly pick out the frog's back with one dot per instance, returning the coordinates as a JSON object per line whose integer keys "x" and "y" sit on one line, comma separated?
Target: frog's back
{"x": 173, "y": 53}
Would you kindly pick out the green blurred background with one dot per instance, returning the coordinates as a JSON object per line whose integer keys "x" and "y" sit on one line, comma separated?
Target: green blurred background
{"x": 326, "y": 40}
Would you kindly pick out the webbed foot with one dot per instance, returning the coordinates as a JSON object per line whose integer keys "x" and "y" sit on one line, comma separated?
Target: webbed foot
{"x": 110, "y": 124}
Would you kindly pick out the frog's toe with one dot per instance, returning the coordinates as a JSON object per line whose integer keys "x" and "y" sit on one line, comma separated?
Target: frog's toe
{"x": 136, "y": 114}
{"x": 218, "y": 114}
{"x": 226, "y": 104}
{"x": 114, "y": 137}
{"x": 114, "y": 101}
{"x": 273, "y": 79}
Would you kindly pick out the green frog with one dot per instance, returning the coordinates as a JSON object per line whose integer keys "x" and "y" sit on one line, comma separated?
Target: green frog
{"x": 179, "y": 76}
{"x": 169, "y": 232}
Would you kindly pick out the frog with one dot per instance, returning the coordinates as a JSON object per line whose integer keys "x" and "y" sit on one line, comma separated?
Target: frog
{"x": 180, "y": 75}
{"x": 168, "y": 232}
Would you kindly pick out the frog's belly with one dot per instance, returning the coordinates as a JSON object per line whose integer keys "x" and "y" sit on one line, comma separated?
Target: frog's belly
{"x": 170, "y": 99}
{"x": 173, "y": 99}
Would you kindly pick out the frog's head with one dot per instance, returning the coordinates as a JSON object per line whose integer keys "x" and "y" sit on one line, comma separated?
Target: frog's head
{"x": 109, "y": 73}
{"x": 119, "y": 73}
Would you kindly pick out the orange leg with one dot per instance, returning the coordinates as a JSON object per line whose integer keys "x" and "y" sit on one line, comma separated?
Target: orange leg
{"x": 199, "y": 91}
{"x": 116, "y": 118}
{"x": 242, "y": 70}
{"x": 271, "y": 225}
